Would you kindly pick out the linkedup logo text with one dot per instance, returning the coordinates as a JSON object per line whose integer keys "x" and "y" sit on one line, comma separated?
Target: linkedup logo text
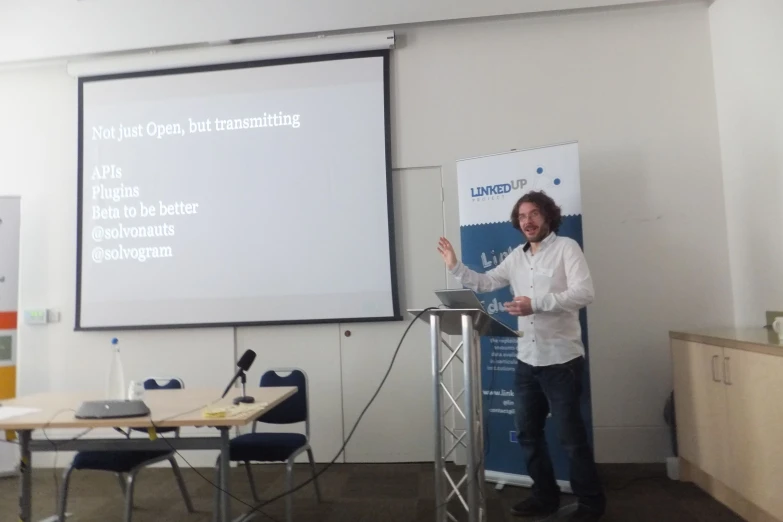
{"x": 488, "y": 192}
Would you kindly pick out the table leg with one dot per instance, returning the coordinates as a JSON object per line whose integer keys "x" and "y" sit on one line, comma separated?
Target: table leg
{"x": 25, "y": 478}
{"x": 225, "y": 469}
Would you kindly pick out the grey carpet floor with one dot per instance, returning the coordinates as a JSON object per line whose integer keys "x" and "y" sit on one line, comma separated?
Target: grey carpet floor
{"x": 352, "y": 493}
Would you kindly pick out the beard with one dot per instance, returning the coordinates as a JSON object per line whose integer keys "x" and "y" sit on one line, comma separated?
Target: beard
{"x": 536, "y": 235}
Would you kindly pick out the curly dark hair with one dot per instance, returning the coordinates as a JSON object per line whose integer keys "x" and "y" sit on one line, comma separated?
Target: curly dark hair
{"x": 546, "y": 206}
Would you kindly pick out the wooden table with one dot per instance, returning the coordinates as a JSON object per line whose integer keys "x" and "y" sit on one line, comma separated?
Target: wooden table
{"x": 169, "y": 409}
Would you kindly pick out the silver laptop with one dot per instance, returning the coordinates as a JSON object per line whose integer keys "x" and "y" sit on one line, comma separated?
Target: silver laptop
{"x": 112, "y": 409}
{"x": 459, "y": 299}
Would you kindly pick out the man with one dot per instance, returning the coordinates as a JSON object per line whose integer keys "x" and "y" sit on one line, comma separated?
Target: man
{"x": 551, "y": 283}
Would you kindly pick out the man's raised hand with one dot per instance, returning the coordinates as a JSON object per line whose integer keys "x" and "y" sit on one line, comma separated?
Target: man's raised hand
{"x": 446, "y": 251}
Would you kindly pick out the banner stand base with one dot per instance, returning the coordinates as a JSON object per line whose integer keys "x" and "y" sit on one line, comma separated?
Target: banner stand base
{"x": 523, "y": 481}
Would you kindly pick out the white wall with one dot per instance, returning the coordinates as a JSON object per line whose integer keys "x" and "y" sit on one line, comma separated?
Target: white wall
{"x": 747, "y": 44}
{"x": 49, "y": 28}
{"x": 634, "y": 86}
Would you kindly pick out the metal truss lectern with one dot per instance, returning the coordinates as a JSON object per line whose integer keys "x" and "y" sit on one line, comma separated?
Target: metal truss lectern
{"x": 471, "y": 324}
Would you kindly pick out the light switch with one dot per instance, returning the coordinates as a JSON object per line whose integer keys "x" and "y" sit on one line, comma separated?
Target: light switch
{"x": 37, "y": 316}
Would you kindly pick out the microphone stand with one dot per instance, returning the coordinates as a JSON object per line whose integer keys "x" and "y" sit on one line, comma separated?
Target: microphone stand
{"x": 244, "y": 399}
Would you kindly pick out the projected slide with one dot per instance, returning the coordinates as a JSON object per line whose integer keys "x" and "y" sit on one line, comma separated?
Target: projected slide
{"x": 253, "y": 194}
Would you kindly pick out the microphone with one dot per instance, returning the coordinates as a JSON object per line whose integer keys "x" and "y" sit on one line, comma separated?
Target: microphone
{"x": 244, "y": 364}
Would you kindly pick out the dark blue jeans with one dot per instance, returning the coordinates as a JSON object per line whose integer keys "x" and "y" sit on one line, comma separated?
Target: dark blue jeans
{"x": 540, "y": 390}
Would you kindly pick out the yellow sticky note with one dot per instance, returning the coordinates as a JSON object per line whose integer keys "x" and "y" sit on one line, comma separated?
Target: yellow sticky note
{"x": 214, "y": 413}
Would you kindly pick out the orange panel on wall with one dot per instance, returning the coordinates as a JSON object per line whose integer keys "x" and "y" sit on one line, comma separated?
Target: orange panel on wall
{"x": 8, "y": 320}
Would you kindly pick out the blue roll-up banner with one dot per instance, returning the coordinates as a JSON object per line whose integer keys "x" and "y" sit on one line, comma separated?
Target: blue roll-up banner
{"x": 488, "y": 188}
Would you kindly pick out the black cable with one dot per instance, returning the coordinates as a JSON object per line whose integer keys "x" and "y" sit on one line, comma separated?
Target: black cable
{"x": 176, "y": 452}
{"x": 267, "y": 515}
{"x": 257, "y": 509}
{"x": 300, "y": 486}
{"x": 56, "y": 452}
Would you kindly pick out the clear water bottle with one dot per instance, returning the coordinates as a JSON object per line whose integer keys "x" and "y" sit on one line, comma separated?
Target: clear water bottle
{"x": 115, "y": 383}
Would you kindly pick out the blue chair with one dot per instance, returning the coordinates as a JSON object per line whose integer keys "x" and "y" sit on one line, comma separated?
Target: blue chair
{"x": 127, "y": 464}
{"x": 278, "y": 447}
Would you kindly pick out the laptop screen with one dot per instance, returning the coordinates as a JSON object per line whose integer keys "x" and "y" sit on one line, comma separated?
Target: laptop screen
{"x": 461, "y": 298}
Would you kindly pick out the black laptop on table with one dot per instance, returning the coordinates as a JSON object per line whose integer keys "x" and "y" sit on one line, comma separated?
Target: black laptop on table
{"x": 112, "y": 410}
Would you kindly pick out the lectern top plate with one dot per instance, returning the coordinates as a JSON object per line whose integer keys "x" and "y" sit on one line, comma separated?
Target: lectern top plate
{"x": 451, "y": 321}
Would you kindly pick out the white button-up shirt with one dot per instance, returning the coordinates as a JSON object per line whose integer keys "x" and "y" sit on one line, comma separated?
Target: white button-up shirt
{"x": 557, "y": 281}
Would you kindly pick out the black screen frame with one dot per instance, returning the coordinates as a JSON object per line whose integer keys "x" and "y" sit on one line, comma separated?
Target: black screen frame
{"x": 384, "y": 53}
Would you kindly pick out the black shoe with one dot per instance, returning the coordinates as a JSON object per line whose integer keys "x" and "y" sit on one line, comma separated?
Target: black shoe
{"x": 532, "y": 507}
{"x": 583, "y": 515}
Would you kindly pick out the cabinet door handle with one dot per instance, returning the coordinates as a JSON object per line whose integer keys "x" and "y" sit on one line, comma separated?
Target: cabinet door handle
{"x": 715, "y": 369}
{"x": 726, "y": 374}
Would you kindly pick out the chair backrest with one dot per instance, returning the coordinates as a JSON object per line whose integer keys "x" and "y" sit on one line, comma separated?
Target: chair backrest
{"x": 162, "y": 383}
{"x": 295, "y": 408}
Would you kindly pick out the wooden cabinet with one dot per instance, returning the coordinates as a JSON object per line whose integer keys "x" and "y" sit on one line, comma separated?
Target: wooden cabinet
{"x": 702, "y": 416}
{"x": 729, "y": 411}
{"x": 754, "y": 397}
